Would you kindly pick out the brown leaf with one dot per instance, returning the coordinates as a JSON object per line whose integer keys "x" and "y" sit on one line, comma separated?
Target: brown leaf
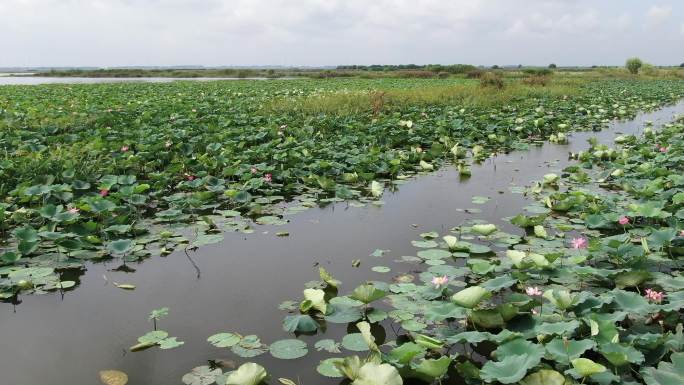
{"x": 113, "y": 377}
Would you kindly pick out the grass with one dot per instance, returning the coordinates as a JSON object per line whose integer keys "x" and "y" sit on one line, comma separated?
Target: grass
{"x": 466, "y": 93}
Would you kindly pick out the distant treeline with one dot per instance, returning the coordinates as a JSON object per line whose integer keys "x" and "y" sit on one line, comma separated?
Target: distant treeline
{"x": 450, "y": 68}
{"x": 539, "y": 74}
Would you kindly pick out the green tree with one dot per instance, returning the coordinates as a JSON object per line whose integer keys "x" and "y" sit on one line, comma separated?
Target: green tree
{"x": 552, "y": 65}
{"x": 633, "y": 65}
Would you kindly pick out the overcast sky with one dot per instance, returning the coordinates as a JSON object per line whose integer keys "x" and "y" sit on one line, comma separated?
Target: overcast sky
{"x": 331, "y": 32}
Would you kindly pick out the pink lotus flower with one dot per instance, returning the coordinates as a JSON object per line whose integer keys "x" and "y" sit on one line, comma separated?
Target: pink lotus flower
{"x": 533, "y": 291}
{"x": 623, "y": 220}
{"x": 579, "y": 243}
{"x": 440, "y": 281}
{"x": 254, "y": 170}
{"x": 662, "y": 149}
{"x": 655, "y": 296}
{"x": 681, "y": 233}
{"x": 124, "y": 148}
{"x": 73, "y": 210}
{"x": 189, "y": 177}
{"x": 268, "y": 178}
{"x": 168, "y": 144}
{"x": 104, "y": 192}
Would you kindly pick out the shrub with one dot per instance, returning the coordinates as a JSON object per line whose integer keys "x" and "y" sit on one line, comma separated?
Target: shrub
{"x": 458, "y": 68}
{"x": 537, "y": 71}
{"x": 474, "y": 74}
{"x": 495, "y": 67}
{"x": 682, "y": 65}
{"x": 552, "y": 65}
{"x": 649, "y": 69}
{"x": 443, "y": 75}
{"x": 377, "y": 102}
{"x": 415, "y": 74}
{"x": 536, "y": 80}
{"x": 633, "y": 65}
{"x": 491, "y": 79}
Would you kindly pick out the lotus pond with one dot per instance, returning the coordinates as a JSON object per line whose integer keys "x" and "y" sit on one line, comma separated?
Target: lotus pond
{"x": 233, "y": 209}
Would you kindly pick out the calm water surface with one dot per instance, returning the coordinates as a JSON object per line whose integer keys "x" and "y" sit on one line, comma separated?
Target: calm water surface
{"x": 35, "y": 80}
{"x": 67, "y": 339}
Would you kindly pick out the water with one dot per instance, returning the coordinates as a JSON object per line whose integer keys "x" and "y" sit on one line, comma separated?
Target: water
{"x": 36, "y": 80}
{"x": 242, "y": 280}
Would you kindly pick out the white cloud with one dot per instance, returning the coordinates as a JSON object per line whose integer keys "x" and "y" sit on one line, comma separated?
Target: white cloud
{"x": 658, "y": 14}
{"x": 324, "y": 32}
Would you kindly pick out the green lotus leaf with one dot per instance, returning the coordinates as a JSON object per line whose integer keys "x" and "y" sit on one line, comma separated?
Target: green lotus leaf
{"x": 563, "y": 351}
{"x": 500, "y": 282}
{"x": 364, "y": 328}
{"x": 434, "y": 254}
{"x": 376, "y": 315}
{"x": 631, "y": 302}
{"x": 631, "y": 278}
{"x": 471, "y": 296}
{"x": 562, "y": 299}
{"x": 619, "y": 354}
{"x": 487, "y": 318}
{"x": 317, "y": 298}
{"x": 355, "y": 342}
{"x": 154, "y": 337}
{"x": 302, "y": 323}
{"x": 224, "y": 340}
{"x": 249, "y": 346}
{"x": 170, "y": 343}
{"x": 451, "y": 242}
{"x": 288, "y": 349}
{"x": 429, "y": 370}
{"x": 367, "y": 293}
{"x": 339, "y": 313}
{"x": 425, "y": 244}
{"x": 442, "y": 310}
{"x": 247, "y": 374}
{"x": 428, "y": 342}
{"x": 484, "y": 229}
{"x": 329, "y": 345}
{"x": 349, "y": 367}
{"x": 544, "y": 377}
{"x": 509, "y": 370}
{"x": 404, "y": 353}
{"x": 533, "y": 352}
{"x": 667, "y": 373}
{"x": 412, "y": 325}
{"x": 378, "y": 374}
{"x": 561, "y": 328}
{"x": 120, "y": 246}
{"x": 586, "y": 367}
{"x": 201, "y": 375}
{"x": 327, "y": 368}
{"x": 328, "y": 278}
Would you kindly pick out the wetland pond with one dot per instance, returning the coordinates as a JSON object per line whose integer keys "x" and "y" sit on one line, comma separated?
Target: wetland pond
{"x": 237, "y": 285}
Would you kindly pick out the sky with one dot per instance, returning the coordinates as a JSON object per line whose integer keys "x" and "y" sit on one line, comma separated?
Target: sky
{"x": 333, "y": 32}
